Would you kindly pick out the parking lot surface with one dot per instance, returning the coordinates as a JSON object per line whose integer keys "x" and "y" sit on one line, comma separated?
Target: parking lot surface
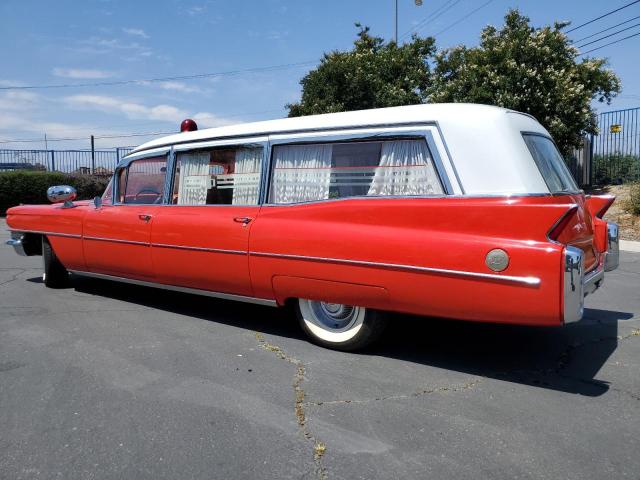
{"x": 105, "y": 381}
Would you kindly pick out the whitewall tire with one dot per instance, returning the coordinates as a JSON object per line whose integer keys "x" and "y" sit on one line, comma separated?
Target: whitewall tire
{"x": 337, "y": 326}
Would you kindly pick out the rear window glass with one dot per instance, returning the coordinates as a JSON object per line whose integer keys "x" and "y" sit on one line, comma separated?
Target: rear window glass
{"x": 550, "y": 163}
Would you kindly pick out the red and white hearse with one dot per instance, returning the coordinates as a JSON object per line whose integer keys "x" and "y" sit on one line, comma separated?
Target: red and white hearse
{"x": 451, "y": 210}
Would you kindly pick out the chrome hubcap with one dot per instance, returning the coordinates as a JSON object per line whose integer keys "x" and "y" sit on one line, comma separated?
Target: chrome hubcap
{"x": 334, "y": 316}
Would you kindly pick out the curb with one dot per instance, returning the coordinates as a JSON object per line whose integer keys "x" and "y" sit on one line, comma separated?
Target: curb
{"x": 629, "y": 246}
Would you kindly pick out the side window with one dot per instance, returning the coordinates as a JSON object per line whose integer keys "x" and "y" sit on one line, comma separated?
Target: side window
{"x": 144, "y": 181}
{"x": 218, "y": 176}
{"x": 304, "y": 173}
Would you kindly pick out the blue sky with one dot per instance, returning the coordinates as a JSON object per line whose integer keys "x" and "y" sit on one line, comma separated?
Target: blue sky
{"x": 70, "y": 42}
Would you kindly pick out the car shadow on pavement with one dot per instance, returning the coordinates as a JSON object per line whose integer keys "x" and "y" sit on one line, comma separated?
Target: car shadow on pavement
{"x": 560, "y": 358}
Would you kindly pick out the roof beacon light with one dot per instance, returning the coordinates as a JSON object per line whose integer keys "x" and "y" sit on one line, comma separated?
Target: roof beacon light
{"x": 188, "y": 125}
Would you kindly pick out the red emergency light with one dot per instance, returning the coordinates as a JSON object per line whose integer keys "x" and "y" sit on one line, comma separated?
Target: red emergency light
{"x": 188, "y": 125}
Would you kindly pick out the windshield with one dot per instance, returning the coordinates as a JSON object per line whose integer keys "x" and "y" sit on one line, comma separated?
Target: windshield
{"x": 550, "y": 163}
{"x": 108, "y": 193}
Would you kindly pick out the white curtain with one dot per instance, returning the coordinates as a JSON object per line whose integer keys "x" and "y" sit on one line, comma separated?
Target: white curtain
{"x": 406, "y": 168}
{"x": 194, "y": 178}
{"x": 246, "y": 178}
{"x": 301, "y": 173}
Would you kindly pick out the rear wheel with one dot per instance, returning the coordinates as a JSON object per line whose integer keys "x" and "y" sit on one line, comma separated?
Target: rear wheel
{"x": 338, "y": 326}
{"x": 55, "y": 275}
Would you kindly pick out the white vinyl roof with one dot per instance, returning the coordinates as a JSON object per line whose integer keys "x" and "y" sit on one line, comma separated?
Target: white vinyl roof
{"x": 484, "y": 142}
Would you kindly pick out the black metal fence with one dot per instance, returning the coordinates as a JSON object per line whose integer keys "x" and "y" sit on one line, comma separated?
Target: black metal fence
{"x": 83, "y": 162}
{"x": 615, "y": 151}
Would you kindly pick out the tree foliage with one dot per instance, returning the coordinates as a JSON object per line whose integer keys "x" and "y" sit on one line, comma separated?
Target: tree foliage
{"x": 373, "y": 74}
{"x": 532, "y": 70}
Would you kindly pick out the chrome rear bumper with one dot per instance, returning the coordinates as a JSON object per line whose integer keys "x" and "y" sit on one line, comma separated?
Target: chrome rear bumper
{"x": 577, "y": 284}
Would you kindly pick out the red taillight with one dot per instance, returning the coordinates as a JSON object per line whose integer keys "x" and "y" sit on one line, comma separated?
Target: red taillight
{"x": 562, "y": 223}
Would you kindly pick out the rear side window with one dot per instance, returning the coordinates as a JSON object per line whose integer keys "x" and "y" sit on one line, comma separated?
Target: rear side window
{"x": 322, "y": 171}
{"x": 550, "y": 163}
{"x": 218, "y": 176}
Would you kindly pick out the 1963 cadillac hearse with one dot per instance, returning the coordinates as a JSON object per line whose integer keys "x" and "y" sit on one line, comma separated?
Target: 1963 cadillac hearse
{"x": 458, "y": 211}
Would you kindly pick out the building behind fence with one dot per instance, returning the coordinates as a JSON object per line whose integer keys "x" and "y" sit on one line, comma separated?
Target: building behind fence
{"x": 81, "y": 162}
{"x": 611, "y": 157}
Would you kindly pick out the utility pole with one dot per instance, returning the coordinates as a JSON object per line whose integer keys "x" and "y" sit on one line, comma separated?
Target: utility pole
{"x": 45, "y": 142}
{"x": 418, "y": 3}
{"x": 93, "y": 155}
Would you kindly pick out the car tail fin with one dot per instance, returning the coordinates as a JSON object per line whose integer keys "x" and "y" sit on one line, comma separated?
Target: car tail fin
{"x": 562, "y": 223}
{"x": 599, "y": 204}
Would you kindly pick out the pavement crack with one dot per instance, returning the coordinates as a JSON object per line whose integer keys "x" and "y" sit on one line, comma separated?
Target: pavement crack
{"x": 14, "y": 277}
{"x": 419, "y": 393}
{"x": 319, "y": 448}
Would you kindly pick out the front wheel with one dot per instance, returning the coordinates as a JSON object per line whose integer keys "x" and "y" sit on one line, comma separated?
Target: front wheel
{"x": 340, "y": 327}
{"x": 55, "y": 275}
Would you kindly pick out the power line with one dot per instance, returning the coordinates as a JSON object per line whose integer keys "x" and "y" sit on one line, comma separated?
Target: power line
{"x": 162, "y": 79}
{"x": 607, "y": 44}
{"x": 465, "y": 17}
{"x": 606, "y": 29}
{"x": 607, "y": 36}
{"x": 142, "y": 134}
{"x": 444, "y": 8}
{"x": 602, "y": 16}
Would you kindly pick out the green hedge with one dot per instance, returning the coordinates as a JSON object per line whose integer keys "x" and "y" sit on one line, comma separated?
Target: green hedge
{"x": 31, "y": 187}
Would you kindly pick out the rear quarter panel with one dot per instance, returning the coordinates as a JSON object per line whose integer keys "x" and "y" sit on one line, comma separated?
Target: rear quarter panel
{"x": 443, "y": 233}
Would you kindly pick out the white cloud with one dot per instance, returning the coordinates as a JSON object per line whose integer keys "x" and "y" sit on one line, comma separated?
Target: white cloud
{"x": 133, "y": 110}
{"x": 82, "y": 73}
{"x": 178, "y": 86}
{"x": 135, "y": 32}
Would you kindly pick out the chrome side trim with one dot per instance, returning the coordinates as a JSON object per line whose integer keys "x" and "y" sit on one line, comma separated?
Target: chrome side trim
{"x": 531, "y": 281}
{"x": 194, "y": 291}
{"x": 117, "y": 240}
{"x": 52, "y": 234}
{"x": 612, "y": 259}
{"x": 199, "y": 249}
{"x": 573, "y": 284}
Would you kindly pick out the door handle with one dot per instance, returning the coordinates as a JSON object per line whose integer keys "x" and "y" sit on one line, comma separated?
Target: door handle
{"x": 144, "y": 217}
{"x": 243, "y": 220}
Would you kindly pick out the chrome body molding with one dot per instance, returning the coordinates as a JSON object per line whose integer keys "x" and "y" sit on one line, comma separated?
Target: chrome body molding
{"x": 117, "y": 240}
{"x": 199, "y": 249}
{"x": 52, "y": 234}
{"x": 612, "y": 259}
{"x": 194, "y": 291}
{"x": 530, "y": 281}
{"x": 573, "y": 284}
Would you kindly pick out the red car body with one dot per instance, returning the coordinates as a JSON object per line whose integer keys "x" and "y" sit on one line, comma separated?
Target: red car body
{"x": 424, "y": 255}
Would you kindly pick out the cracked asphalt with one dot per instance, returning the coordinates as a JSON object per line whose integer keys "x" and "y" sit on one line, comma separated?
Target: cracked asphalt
{"x": 111, "y": 381}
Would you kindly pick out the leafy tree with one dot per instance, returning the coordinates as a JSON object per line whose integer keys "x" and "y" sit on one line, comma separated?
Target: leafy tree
{"x": 373, "y": 74}
{"x": 531, "y": 70}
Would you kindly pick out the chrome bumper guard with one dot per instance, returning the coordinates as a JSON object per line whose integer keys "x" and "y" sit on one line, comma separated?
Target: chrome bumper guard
{"x": 577, "y": 284}
{"x": 16, "y": 242}
{"x": 612, "y": 260}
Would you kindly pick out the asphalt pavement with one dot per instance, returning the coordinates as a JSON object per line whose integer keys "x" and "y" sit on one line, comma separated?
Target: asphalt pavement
{"x": 111, "y": 381}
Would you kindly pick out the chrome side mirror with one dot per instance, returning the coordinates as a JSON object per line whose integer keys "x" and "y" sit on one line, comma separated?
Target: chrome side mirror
{"x": 97, "y": 202}
{"x": 62, "y": 193}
